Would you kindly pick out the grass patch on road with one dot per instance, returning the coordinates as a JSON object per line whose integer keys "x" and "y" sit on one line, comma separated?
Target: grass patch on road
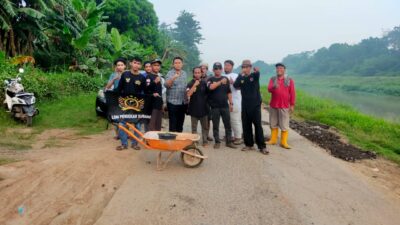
{"x": 73, "y": 112}
{"x": 364, "y": 131}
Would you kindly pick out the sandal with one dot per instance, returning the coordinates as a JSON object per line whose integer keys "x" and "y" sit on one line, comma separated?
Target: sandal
{"x": 136, "y": 147}
{"x": 121, "y": 147}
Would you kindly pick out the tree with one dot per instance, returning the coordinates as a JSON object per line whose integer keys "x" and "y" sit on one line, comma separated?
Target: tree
{"x": 187, "y": 32}
{"x": 393, "y": 39}
{"x": 135, "y": 18}
{"x": 20, "y": 26}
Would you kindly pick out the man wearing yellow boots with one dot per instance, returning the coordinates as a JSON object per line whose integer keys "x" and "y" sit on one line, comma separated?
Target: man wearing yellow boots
{"x": 283, "y": 99}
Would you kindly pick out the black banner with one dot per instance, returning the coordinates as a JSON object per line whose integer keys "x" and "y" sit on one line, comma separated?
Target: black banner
{"x": 130, "y": 109}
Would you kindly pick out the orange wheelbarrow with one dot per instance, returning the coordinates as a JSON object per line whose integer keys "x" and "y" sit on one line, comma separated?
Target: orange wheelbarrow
{"x": 184, "y": 143}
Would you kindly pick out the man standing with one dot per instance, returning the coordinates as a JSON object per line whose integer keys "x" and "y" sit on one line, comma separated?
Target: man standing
{"x": 283, "y": 99}
{"x": 220, "y": 99}
{"x": 147, "y": 73}
{"x": 198, "y": 108}
{"x": 249, "y": 84}
{"x": 158, "y": 101}
{"x": 205, "y": 74}
{"x": 175, "y": 83}
{"x": 132, "y": 83}
{"x": 236, "y": 120}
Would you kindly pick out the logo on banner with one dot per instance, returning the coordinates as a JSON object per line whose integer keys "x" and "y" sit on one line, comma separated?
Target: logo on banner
{"x": 131, "y": 103}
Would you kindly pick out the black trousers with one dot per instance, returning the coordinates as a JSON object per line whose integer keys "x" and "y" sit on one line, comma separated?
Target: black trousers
{"x": 216, "y": 114}
{"x": 176, "y": 114}
{"x": 252, "y": 116}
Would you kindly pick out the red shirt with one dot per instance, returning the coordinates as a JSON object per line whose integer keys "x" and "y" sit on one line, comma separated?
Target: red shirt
{"x": 282, "y": 97}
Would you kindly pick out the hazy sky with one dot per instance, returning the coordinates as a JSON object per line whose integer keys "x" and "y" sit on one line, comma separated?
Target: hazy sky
{"x": 270, "y": 30}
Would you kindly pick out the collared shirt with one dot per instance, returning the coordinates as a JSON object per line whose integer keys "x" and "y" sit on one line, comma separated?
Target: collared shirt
{"x": 250, "y": 90}
{"x": 236, "y": 95}
{"x": 282, "y": 96}
{"x": 115, "y": 84}
{"x": 176, "y": 93}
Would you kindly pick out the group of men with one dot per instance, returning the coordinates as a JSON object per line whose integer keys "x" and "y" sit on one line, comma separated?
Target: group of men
{"x": 222, "y": 94}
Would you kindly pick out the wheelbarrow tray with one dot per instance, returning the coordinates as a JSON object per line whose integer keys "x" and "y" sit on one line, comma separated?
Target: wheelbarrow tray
{"x": 181, "y": 142}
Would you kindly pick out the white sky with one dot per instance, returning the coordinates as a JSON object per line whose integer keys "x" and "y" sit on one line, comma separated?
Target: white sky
{"x": 270, "y": 30}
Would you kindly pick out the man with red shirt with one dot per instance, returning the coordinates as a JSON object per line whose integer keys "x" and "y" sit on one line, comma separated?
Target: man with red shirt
{"x": 283, "y": 99}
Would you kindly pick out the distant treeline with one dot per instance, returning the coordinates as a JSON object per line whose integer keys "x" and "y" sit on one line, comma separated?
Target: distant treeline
{"x": 372, "y": 56}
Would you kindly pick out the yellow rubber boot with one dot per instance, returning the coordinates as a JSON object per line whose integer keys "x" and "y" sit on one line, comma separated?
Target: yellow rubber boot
{"x": 274, "y": 137}
{"x": 284, "y": 138}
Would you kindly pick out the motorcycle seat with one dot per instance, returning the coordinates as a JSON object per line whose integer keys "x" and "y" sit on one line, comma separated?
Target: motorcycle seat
{"x": 23, "y": 94}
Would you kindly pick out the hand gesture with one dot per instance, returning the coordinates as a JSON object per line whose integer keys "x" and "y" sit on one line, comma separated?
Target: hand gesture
{"x": 157, "y": 80}
{"x": 231, "y": 80}
{"x": 196, "y": 83}
{"x": 256, "y": 69}
{"x": 224, "y": 80}
{"x": 117, "y": 77}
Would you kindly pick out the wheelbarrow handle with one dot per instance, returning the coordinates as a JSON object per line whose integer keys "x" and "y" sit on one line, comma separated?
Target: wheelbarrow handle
{"x": 135, "y": 129}
{"x": 132, "y": 135}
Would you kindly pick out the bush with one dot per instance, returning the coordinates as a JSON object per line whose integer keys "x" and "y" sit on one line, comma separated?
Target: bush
{"x": 50, "y": 86}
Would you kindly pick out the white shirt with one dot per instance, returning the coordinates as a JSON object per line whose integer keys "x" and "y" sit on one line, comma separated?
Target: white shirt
{"x": 236, "y": 94}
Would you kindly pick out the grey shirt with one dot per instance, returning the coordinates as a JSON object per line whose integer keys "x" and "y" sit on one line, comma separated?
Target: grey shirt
{"x": 176, "y": 93}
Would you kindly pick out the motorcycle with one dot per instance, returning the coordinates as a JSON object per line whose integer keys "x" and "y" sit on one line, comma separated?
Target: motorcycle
{"x": 101, "y": 104}
{"x": 19, "y": 103}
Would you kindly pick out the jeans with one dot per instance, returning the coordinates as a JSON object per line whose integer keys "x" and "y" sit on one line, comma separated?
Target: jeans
{"x": 124, "y": 136}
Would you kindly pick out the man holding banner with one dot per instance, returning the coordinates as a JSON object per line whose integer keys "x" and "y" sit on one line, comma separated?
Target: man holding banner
{"x": 133, "y": 98}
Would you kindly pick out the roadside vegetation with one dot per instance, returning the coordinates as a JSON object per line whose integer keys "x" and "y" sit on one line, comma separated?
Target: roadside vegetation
{"x": 364, "y": 131}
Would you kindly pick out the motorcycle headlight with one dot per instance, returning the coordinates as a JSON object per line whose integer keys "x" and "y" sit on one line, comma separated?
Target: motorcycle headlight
{"x": 101, "y": 94}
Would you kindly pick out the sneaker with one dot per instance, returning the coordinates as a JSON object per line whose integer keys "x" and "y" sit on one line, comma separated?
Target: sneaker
{"x": 230, "y": 145}
{"x": 247, "y": 148}
{"x": 264, "y": 151}
{"x": 217, "y": 145}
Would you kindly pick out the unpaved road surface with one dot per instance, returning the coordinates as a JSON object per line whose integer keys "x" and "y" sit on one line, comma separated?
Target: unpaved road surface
{"x": 88, "y": 182}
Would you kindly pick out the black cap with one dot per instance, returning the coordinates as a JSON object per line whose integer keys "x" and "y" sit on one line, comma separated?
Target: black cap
{"x": 217, "y": 65}
{"x": 280, "y": 64}
{"x": 156, "y": 61}
{"x": 146, "y": 62}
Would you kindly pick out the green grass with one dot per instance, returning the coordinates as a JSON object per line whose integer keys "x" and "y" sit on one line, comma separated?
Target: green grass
{"x": 75, "y": 112}
{"x": 364, "y": 131}
{"x": 6, "y": 161}
{"x": 378, "y": 85}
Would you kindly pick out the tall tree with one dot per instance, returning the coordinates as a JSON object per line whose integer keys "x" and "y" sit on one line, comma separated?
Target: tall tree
{"x": 135, "y": 18}
{"x": 187, "y": 32}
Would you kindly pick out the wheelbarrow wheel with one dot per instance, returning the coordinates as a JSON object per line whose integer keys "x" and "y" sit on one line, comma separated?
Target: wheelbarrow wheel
{"x": 192, "y": 161}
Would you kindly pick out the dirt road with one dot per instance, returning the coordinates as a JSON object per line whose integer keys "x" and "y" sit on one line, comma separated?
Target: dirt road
{"x": 87, "y": 182}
